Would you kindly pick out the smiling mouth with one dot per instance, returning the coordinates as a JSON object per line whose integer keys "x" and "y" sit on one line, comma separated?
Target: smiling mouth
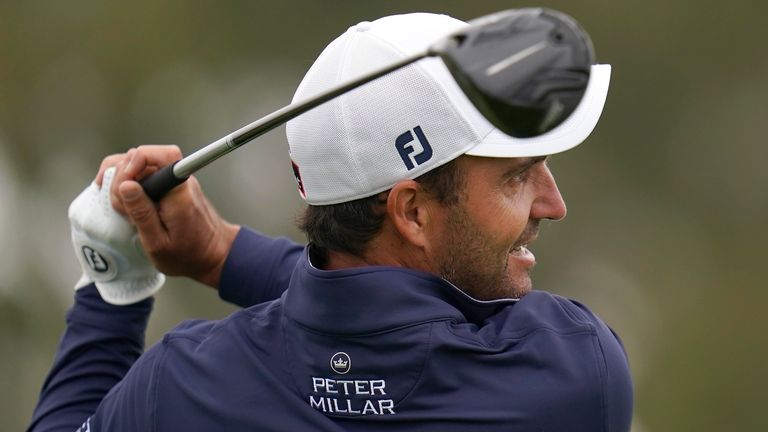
{"x": 528, "y": 236}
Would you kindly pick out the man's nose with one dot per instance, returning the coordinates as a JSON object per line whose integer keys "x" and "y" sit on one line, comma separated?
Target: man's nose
{"x": 548, "y": 203}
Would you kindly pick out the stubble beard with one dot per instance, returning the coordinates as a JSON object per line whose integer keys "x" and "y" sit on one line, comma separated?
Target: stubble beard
{"x": 470, "y": 262}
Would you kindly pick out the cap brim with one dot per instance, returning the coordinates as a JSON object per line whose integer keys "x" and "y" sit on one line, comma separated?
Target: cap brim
{"x": 572, "y": 132}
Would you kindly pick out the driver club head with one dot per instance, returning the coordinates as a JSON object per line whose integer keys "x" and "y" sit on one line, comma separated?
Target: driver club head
{"x": 525, "y": 70}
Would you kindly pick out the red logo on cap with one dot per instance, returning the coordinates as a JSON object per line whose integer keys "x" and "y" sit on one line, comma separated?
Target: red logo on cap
{"x": 299, "y": 183}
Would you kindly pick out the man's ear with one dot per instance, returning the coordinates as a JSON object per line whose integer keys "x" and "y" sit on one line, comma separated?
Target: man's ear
{"x": 409, "y": 210}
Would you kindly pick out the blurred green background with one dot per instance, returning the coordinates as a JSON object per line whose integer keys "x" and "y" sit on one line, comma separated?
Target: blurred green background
{"x": 668, "y": 202}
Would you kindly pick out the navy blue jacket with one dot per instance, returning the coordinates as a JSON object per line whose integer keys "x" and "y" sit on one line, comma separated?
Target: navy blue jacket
{"x": 350, "y": 350}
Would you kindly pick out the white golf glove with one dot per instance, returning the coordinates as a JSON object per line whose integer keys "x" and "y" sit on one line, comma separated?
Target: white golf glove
{"x": 108, "y": 248}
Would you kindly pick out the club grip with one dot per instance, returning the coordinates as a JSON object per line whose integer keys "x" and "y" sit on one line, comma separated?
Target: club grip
{"x": 161, "y": 182}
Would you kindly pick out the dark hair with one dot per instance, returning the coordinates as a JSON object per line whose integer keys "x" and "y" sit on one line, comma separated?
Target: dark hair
{"x": 349, "y": 226}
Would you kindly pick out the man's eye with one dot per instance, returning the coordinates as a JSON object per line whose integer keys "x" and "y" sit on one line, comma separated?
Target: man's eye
{"x": 521, "y": 176}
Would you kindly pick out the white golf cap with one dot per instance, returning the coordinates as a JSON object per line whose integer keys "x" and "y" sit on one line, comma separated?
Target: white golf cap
{"x": 407, "y": 122}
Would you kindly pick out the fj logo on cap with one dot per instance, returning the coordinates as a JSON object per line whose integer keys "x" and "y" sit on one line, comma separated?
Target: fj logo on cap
{"x": 404, "y": 146}
{"x": 341, "y": 363}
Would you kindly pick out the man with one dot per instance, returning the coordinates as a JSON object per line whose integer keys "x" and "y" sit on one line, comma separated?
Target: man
{"x": 412, "y": 307}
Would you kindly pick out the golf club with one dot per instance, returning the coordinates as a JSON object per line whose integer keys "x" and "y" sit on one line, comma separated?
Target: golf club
{"x": 525, "y": 70}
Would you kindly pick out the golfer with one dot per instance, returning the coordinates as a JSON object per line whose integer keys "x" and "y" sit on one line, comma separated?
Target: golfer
{"x": 411, "y": 308}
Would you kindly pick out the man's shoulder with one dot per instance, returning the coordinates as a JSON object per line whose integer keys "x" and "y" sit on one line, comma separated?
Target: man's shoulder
{"x": 544, "y": 310}
{"x": 241, "y": 323}
{"x": 204, "y": 374}
{"x": 209, "y": 363}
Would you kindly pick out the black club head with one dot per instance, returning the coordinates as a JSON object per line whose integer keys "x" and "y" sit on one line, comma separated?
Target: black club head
{"x": 525, "y": 70}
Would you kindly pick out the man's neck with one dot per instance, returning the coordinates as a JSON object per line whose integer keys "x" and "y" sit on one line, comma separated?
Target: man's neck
{"x": 341, "y": 260}
{"x": 377, "y": 253}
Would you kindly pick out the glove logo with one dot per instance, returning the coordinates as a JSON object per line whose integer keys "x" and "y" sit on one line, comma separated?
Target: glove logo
{"x": 341, "y": 363}
{"x": 95, "y": 261}
{"x": 405, "y": 148}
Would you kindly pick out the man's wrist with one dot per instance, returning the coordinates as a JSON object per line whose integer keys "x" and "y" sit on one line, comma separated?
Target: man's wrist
{"x": 222, "y": 245}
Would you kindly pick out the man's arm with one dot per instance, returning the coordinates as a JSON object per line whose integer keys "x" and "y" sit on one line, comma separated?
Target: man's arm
{"x": 100, "y": 344}
{"x": 258, "y": 268}
{"x": 102, "y": 341}
{"x": 182, "y": 235}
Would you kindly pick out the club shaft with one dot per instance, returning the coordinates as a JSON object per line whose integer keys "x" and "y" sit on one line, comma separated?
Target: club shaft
{"x": 199, "y": 159}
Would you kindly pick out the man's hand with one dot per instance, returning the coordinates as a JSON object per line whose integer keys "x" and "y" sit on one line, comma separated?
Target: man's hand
{"x": 183, "y": 235}
{"x": 108, "y": 248}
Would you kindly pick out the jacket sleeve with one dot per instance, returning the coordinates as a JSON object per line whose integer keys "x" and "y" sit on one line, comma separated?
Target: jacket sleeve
{"x": 258, "y": 268}
{"x": 98, "y": 347}
{"x": 131, "y": 405}
{"x": 102, "y": 341}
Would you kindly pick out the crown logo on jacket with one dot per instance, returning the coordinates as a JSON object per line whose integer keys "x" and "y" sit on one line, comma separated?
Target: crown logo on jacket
{"x": 341, "y": 363}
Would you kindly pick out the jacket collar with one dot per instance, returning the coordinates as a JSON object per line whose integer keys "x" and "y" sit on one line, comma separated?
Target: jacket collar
{"x": 377, "y": 298}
